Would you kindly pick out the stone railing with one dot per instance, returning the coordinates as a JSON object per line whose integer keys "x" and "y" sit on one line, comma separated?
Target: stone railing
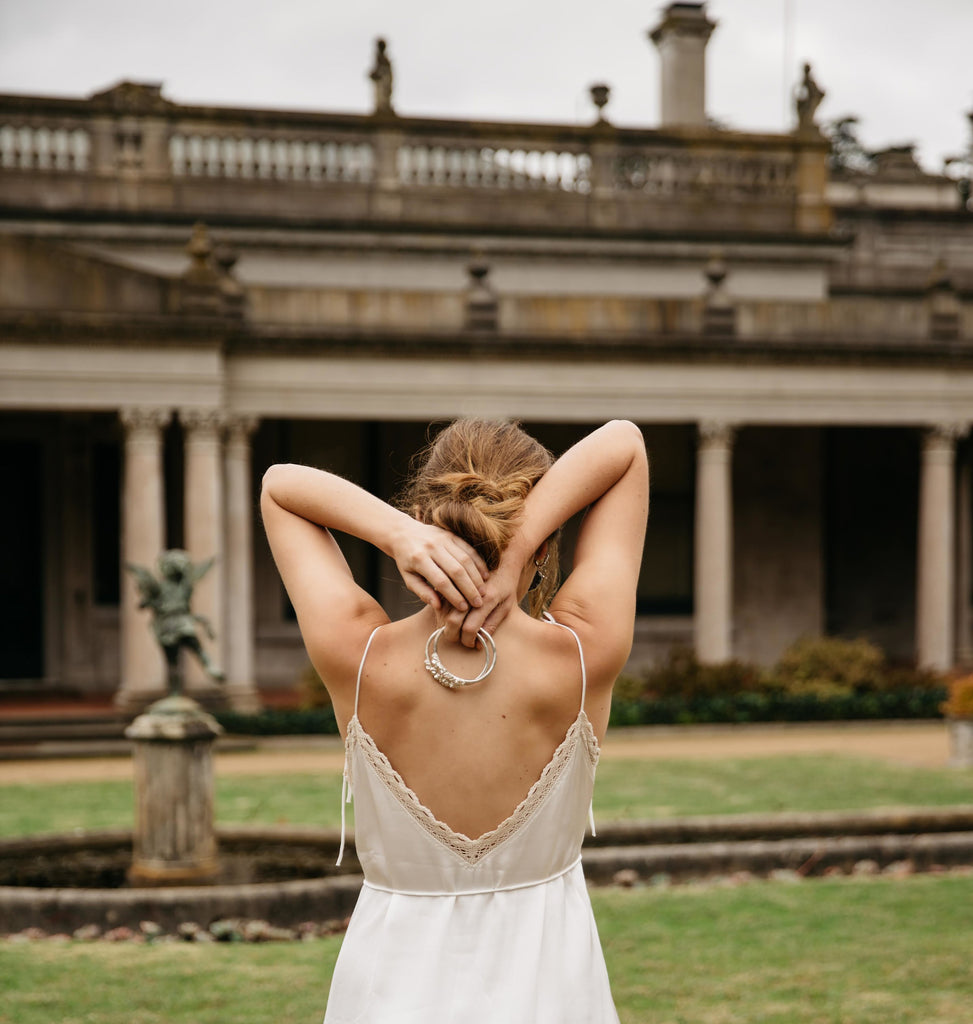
{"x": 131, "y": 147}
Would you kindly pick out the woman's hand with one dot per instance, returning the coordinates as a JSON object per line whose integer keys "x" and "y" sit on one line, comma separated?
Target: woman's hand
{"x": 499, "y": 597}
{"x": 437, "y": 566}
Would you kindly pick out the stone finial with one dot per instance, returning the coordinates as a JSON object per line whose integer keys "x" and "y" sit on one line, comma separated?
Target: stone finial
{"x": 719, "y": 314}
{"x": 207, "y": 285}
{"x": 381, "y": 77}
{"x": 481, "y": 300}
{"x": 807, "y": 99}
{"x": 600, "y": 95}
{"x": 200, "y": 250}
{"x": 943, "y": 303}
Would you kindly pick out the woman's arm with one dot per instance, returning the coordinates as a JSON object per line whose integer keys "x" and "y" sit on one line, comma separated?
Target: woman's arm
{"x": 301, "y": 505}
{"x": 607, "y": 472}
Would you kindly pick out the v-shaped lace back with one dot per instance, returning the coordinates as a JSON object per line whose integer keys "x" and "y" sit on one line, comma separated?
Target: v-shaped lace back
{"x": 473, "y": 850}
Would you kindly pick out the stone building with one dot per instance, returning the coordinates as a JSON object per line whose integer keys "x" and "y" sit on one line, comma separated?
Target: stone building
{"x": 189, "y": 293}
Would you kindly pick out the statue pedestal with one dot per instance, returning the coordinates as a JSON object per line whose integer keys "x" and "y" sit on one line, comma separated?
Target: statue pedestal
{"x": 174, "y": 839}
{"x": 960, "y": 742}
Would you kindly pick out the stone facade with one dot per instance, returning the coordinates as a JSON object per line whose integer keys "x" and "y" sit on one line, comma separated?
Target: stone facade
{"x": 189, "y": 294}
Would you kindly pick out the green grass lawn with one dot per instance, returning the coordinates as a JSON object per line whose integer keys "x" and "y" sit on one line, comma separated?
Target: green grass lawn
{"x": 625, "y": 790}
{"x": 835, "y": 951}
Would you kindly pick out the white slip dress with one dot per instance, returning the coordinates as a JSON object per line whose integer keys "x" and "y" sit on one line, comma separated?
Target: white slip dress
{"x": 493, "y": 930}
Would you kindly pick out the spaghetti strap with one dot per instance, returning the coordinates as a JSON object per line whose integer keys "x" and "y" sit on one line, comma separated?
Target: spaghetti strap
{"x": 361, "y": 666}
{"x": 584, "y": 690}
{"x": 584, "y": 673}
{"x": 346, "y": 792}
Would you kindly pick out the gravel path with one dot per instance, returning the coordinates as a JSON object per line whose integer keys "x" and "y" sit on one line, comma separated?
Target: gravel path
{"x": 922, "y": 744}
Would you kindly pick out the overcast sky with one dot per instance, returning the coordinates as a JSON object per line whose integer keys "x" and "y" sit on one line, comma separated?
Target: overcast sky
{"x": 904, "y": 67}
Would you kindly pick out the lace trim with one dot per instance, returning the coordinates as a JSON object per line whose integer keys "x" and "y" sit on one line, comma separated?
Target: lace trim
{"x": 474, "y": 850}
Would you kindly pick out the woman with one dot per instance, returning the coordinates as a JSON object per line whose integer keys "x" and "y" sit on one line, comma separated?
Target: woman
{"x": 471, "y": 797}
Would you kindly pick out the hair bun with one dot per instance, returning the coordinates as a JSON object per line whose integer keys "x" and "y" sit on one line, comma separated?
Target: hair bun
{"x": 470, "y": 487}
{"x": 473, "y": 480}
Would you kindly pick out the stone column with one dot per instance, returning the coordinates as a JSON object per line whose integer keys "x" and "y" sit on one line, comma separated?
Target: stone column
{"x": 203, "y": 531}
{"x": 936, "y": 568}
{"x": 240, "y": 675}
{"x": 964, "y": 559}
{"x": 143, "y": 538}
{"x": 713, "y": 582}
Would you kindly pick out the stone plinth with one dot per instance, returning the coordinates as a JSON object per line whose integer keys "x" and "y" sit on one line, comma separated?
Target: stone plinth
{"x": 960, "y": 742}
{"x": 174, "y": 840}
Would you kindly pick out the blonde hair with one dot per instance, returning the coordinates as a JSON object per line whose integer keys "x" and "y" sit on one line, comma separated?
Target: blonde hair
{"x": 473, "y": 479}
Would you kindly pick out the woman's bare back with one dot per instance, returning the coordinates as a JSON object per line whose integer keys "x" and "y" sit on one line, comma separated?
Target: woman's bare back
{"x": 471, "y": 755}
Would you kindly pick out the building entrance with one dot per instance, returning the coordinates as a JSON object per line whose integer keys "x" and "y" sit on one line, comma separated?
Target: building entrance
{"x": 22, "y": 558}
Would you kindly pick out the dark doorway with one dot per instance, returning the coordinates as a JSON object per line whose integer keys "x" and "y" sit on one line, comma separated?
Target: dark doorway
{"x": 871, "y": 497}
{"x": 22, "y": 558}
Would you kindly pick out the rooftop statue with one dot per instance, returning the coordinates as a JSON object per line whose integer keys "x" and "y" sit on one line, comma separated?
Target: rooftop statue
{"x": 381, "y": 76}
{"x": 174, "y": 625}
{"x": 807, "y": 100}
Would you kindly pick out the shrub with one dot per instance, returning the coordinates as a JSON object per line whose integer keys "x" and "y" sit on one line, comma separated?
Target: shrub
{"x": 279, "y": 722}
{"x": 959, "y": 701}
{"x": 830, "y": 667}
{"x": 682, "y": 675}
{"x": 906, "y": 677}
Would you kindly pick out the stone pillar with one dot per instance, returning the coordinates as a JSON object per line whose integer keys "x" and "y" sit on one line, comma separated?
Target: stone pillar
{"x": 203, "y": 529}
{"x": 681, "y": 39}
{"x": 174, "y": 837}
{"x": 386, "y": 197}
{"x": 240, "y": 676}
{"x": 936, "y": 568}
{"x": 964, "y": 558}
{"x": 713, "y": 578}
{"x": 143, "y": 670}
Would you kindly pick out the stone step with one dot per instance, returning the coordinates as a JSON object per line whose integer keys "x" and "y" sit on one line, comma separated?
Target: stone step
{"x": 35, "y": 730}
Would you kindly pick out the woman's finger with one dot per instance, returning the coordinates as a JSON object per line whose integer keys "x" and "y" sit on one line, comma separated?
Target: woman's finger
{"x": 471, "y": 559}
{"x": 423, "y": 590}
{"x": 467, "y": 579}
{"x": 440, "y": 581}
{"x": 453, "y": 625}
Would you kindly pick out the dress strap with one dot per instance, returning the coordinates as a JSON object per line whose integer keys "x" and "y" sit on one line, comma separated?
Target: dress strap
{"x": 584, "y": 689}
{"x": 361, "y": 666}
{"x": 584, "y": 674}
{"x": 346, "y": 792}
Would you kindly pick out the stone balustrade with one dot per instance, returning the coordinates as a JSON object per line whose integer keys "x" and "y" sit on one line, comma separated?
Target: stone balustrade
{"x": 131, "y": 147}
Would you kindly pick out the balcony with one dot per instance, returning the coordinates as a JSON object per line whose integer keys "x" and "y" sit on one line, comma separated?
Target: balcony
{"x": 130, "y": 151}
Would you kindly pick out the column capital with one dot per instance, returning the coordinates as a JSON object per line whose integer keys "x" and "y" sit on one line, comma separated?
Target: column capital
{"x": 716, "y": 433}
{"x": 944, "y": 433}
{"x": 943, "y": 436}
{"x": 239, "y": 428}
{"x": 141, "y": 418}
{"x": 203, "y": 421}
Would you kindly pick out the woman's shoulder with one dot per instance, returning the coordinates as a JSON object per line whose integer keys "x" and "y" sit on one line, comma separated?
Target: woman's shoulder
{"x": 605, "y": 645}
{"x": 338, "y": 664}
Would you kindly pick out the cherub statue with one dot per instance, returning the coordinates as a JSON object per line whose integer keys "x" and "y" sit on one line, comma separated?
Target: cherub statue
{"x": 807, "y": 100}
{"x": 174, "y": 625}
{"x": 381, "y": 76}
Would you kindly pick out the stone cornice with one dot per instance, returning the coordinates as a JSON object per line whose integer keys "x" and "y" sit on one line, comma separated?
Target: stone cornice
{"x": 214, "y": 333}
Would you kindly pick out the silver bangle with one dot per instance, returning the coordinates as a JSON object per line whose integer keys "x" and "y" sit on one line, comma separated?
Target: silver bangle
{"x": 442, "y": 675}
